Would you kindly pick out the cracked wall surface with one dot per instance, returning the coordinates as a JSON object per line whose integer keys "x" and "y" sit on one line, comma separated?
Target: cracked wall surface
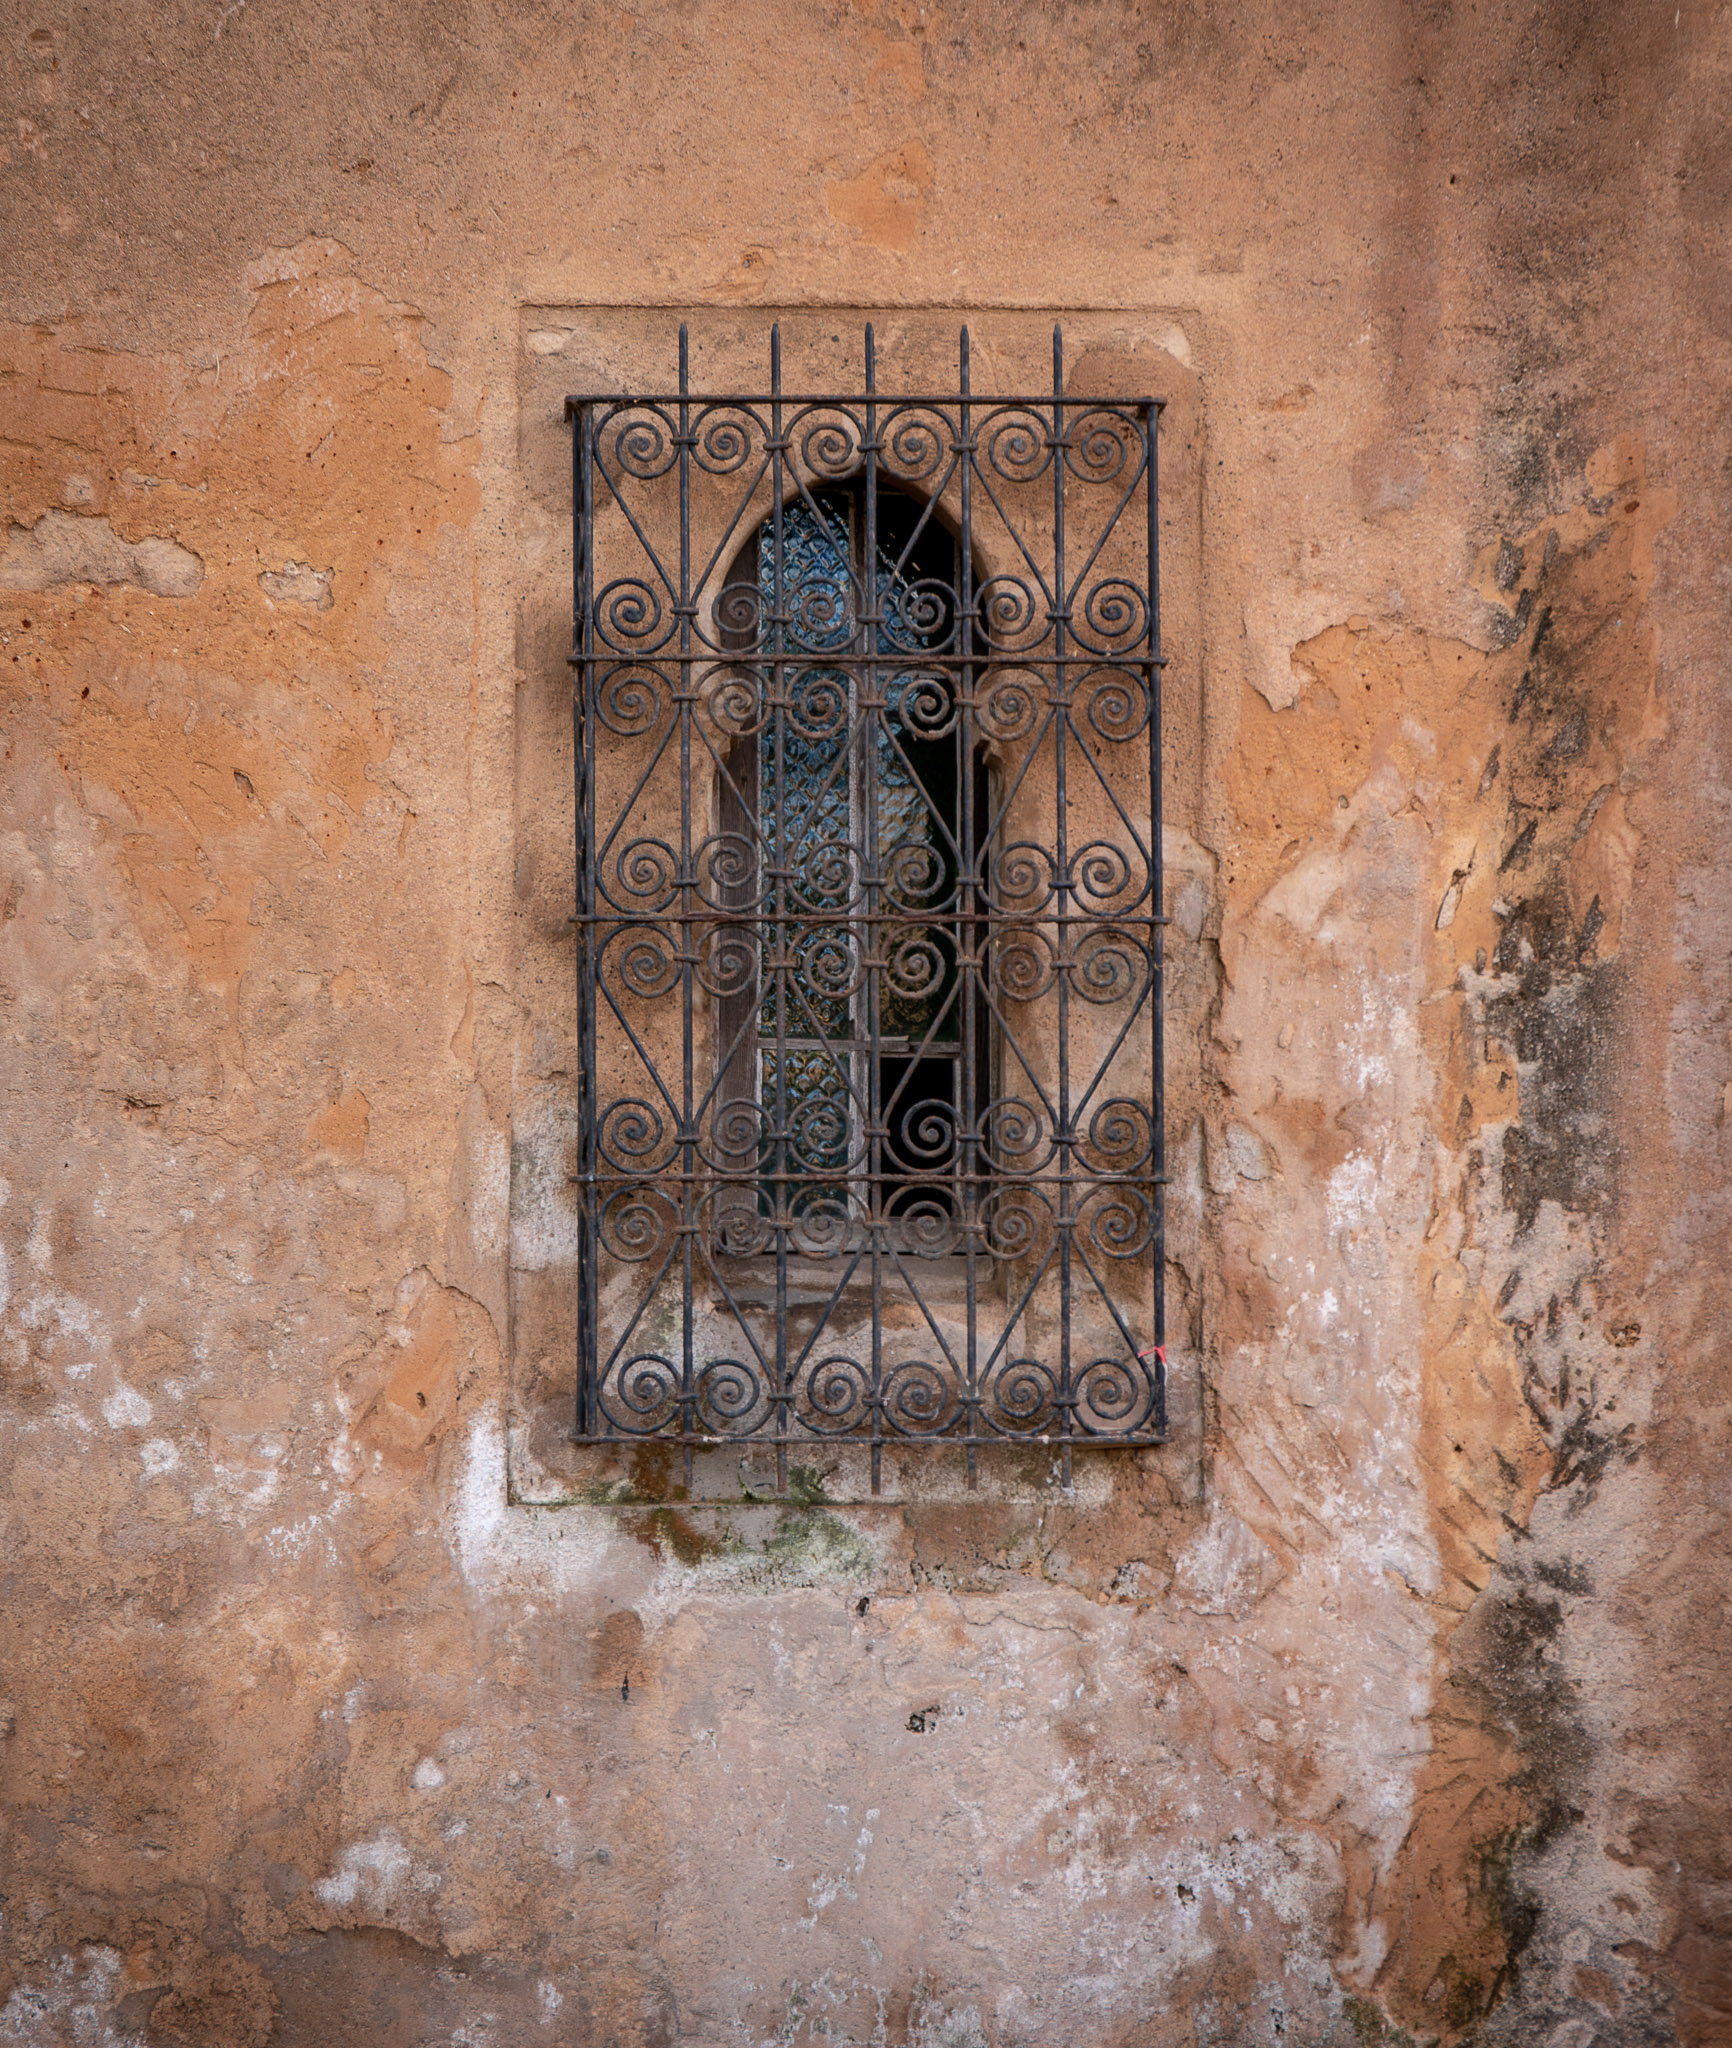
{"x": 1393, "y": 1711}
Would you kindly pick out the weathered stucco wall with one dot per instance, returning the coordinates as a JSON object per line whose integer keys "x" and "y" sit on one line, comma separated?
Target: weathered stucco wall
{"x": 1396, "y": 1709}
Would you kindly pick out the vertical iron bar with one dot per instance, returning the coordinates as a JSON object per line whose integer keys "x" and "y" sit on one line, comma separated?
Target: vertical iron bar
{"x": 688, "y": 1148}
{"x": 1157, "y": 906}
{"x": 783, "y": 1193}
{"x": 1061, "y": 826}
{"x": 864, "y": 770}
{"x": 583, "y": 768}
{"x": 969, "y": 930}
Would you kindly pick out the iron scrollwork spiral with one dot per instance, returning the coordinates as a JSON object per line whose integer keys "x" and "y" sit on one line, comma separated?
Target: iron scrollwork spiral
{"x": 736, "y": 698}
{"x": 1114, "y": 616}
{"x": 643, "y": 960}
{"x": 1115, "y": 1397}
{"x": 645, "y": 875}
{"x": 1116, "y": 705}
{"x": 1117, "y": 1220}
{"x": 727, "y": 962}
{"x": 828, "y": 437}
{"x": 921, "y": 1398}
{"x": 631, "y": 618}
{"x": 638, "y": 1223}
{"x": 632, "y": 701}
{"x": 641, "y": 441}
{"x": 1008, "y": 703}
{"x": 1016, "y": 441}
{"x": 726, "y": 437}
{"x": 1022, "y": 1397}
{"x": 918, "y": 440}
{"x": 737, "y": 615}
{"x": 730, "y": 1397}
{"x": 640, "y": 1396}
{"x": 1101, "y": 445}
{"x": 837, "y": 1396}
{"x": 1010, "y": 615}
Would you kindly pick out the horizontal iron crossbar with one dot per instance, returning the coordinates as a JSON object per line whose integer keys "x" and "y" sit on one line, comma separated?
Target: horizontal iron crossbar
{"x": 982, "y": 406}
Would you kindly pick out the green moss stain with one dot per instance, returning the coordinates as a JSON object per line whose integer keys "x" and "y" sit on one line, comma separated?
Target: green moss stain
{"x": 681, "y": 1537}
{"x": 820, "y": 1546}
{"x": 806, "y": 1486}
{"x": 1372, "y": 2026}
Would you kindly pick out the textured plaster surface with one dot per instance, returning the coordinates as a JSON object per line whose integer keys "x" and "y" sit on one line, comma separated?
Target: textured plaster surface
{"x": 1395, "y": 1710}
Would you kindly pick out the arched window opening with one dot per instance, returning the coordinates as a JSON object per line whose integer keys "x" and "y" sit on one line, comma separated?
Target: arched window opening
{"x": 866, "y": 828}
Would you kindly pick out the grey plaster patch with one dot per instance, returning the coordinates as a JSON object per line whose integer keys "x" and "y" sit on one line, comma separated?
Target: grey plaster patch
{"x": 299, "y": 583}
{"x": 63, "y": 548}
{"x": 1248, "y": 1153}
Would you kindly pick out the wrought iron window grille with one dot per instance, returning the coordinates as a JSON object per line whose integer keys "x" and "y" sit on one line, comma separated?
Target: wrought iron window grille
{"x": 869, "y": 932}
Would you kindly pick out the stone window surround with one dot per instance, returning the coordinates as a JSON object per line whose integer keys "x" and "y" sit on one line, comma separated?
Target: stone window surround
{"x": 570, "y": 348}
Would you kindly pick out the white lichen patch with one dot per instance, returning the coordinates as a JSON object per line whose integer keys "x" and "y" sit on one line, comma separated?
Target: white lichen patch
{"x": 126, "y": 1408}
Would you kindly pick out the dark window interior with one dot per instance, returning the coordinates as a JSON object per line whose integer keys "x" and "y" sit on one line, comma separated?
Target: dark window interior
{"x": 852, "y": 792}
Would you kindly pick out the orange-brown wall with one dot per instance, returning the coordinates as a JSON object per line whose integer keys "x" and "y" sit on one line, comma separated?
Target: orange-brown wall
{"x": 1400, "y": 1713}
